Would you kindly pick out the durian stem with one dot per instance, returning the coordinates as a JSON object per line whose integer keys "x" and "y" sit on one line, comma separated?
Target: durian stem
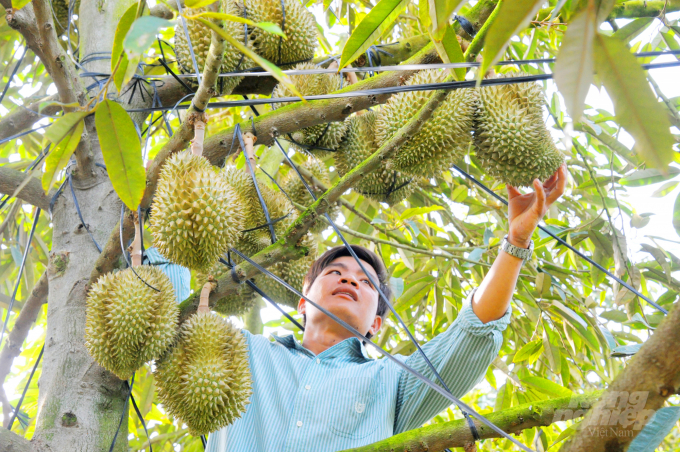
{"x": 136, "y": 247}
{"x": 203, "y": 305}
{"x": 199, "y": 135}
{"x": 249, "y": 139}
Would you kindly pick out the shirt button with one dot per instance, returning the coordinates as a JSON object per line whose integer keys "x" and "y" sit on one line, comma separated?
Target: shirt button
{"x": 308, "y": 387}
{"x": 318, "y": 361}
{"x": 360, "y": 407}
{"x": 299, "y": 423}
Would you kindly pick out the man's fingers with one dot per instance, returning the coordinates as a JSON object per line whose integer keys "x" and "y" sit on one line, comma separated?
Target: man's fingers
{"x": 540, "y": 197}
{"x": 512, "y": 192}
{"x": 560, "y": 186}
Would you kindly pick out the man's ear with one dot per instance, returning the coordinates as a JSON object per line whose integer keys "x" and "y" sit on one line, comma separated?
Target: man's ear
{"x": 375, "y": 327}
{"x": 302, "y": 306}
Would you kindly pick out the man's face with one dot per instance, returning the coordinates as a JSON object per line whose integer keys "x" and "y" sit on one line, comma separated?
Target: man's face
{"x": 344, "y": 289}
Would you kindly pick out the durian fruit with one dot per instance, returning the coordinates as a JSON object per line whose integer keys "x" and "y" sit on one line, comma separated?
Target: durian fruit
{"x": 254, "y": 233}
{"x": 293, "y": 272}
{"x": 299, "y": 26}
{"x": 234, "y": 304}
{"x": 60, "y": 9}
{"x": 194, "y": 215}
{"x": 295, "y": 189}
{"x": 127, "y": 322}
{"x": 443, "y": 139}
{"x": 382, "y": 185}
{"x": 201, "y": 36}
{"x": 323, "y": 135}
{"x": 205, "y": 379}
{"x": 513, "y": 143}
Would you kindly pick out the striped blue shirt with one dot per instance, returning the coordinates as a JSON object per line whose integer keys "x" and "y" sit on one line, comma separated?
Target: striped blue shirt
{"x": 180, "y": 277}
{"x": 341, "y": 398}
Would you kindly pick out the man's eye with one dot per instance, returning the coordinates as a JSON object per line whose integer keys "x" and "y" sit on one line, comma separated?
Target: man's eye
{"x": 334, "y": 271}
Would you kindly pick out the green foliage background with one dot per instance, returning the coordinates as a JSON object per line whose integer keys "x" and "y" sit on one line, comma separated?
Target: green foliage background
{"x": 440, "y": 243}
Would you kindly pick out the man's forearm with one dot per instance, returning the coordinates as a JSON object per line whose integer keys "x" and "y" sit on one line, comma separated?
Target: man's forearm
{"x": 492, "y": 298}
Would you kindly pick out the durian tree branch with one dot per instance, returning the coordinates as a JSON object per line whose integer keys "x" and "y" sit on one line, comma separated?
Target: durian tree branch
{"x": 631, "y": 9}
{"x": 440, "y": 436}
{"x": 15, "y": 339}
{"x": 23, "y": 117}
{"x": 111, "y": 252}
{"x": 32, "y": 192}
{"x": 287, "y": 246}
{"x": 36, "y": 23}
{"x": 11, "y": 442}
{"x": 653, "y": 371}
{"x": 609, "y": 141}
{"x": 478, "y": 42}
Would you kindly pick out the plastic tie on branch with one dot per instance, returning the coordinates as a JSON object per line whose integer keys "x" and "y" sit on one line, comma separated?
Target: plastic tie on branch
{"x": 122, "y": 246}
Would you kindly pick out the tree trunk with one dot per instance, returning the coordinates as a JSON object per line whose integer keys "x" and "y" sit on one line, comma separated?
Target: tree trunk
{"x": 80, "y": 404}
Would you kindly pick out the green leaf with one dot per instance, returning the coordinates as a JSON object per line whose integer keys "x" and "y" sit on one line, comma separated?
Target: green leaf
{"x": 514, "y": 16}
{"x": 636, "y": 107}
{"x": 18, "y": 4}
{"x": 632, "y": 29}
{"x": 570, "y": 314}
{"x": 547, "y": 387}
{"x": 397, "y": 286}
{"x": 143, "y": 33}
{"x": 625, "y": 350}
{"x": 197, "y": 3}
{"x": 676, "y": 215}
{"x": 64, "y": 125}
{"x": 269, "y": 27}
{"x": 450, "y": 51}
{"x": 575, "y": 64}
{"x": 530, "y": 352}
{"x": 122, "y": 29}
{"x": 658, "y": 428}
{"x": 648, "y": 176}
{"x": 248, "y": 52}
{"x": 379, "y": 18}
{"x": 414, "y": 211}
{"x": 60, "y": 155}
{"x": 665, "y": 189}
{"x": 440, "y": 12}
{"x": 415, "y": 292}
{"x": 122, "y": 152}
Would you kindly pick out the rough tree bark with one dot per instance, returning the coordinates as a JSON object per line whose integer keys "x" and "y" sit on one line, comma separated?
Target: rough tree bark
{"x": 653, "y": 372}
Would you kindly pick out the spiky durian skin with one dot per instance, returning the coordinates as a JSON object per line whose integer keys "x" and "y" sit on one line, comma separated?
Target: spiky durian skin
{"x": 323, "y": 135}
{"x": 194, "y": 218}
{"x": 382, "y": 185}
{"x": 128, "y": 323}
{"x": 293, "y": 186}
{"x": 513, "y": 143}
{"x": 250, "y": 241}
{"x": 205, "y": 379}
{"x": 233, "y": 304}
{"x": 293, "y": 272}
{"x": 443, "y": 139}
{"x": 299, "y": 27}
{"x": 200, "y": 39}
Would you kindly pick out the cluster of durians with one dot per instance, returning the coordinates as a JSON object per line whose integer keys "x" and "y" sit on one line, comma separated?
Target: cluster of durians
{"x": 502, "y": 124}
{"x": 294, "y": 19}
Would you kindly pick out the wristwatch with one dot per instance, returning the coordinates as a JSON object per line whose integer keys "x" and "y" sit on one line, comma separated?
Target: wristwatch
{"x": 522, "y": 253}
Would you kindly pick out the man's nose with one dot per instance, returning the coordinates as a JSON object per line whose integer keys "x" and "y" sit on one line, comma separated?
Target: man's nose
{"x": 349, "y": 281}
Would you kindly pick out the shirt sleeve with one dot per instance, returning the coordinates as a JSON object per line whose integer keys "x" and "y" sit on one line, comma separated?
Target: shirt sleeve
{"x": 179, "y": 276}
{"x": 461, "y": 356}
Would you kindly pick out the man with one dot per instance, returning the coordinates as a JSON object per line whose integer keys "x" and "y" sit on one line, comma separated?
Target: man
{"x": 326, "y": 394}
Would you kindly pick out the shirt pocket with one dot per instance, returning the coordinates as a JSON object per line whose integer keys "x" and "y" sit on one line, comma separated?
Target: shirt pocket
{"x": 353, "y": 413}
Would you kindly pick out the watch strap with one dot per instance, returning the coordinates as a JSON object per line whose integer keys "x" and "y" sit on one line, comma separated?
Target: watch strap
{"x": 522, "y": 253}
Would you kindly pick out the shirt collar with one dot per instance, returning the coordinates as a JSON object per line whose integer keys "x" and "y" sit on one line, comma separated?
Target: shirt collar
{"x": 350, "y": 346}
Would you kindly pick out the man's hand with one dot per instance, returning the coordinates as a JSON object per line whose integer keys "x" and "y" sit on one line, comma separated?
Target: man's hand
{"x": 525, "y": 211}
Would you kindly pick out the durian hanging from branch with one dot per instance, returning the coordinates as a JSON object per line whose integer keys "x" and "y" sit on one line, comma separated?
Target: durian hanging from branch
{"x": 205, "y": 379}
{"x": 195, "y": 217}
{"x": 323, "y": 138}
{"x": 512, "y": 142}
{"x": 130, "y": 318}
{"x": 381, "y": 185}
